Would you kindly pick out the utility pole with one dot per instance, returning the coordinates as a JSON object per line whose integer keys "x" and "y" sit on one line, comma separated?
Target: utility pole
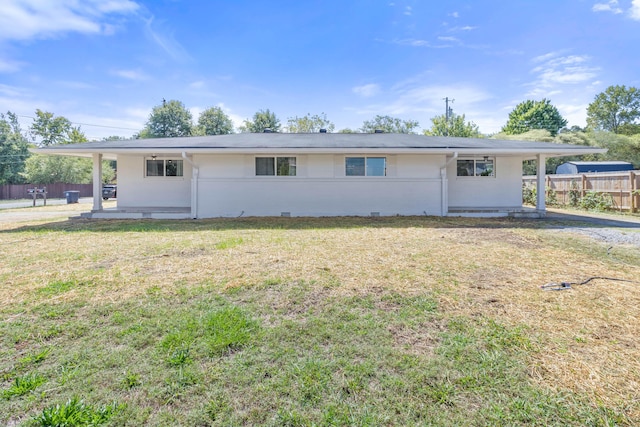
{"x": 448, "y": 113}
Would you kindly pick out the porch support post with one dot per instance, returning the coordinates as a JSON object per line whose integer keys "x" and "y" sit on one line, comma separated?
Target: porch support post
{"x": 444, "y": 186}
{"x": 195, "y": 172}
{"x": 540, "y": 187}
{"x": 444, "y": 208}
{"x": 97, "y": 182}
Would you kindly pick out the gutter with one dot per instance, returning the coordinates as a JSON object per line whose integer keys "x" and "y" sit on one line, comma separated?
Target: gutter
{"x": 195, "y": 172}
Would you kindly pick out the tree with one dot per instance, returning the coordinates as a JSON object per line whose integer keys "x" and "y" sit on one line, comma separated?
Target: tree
{"x": 46, "y": 169}
{"x": 619, "y": 147}
{"x": 49, "y": 129}
{"x": 347, "y": 130}
{"x": 14, "y": 150}
{"x": 309, "y": 124}
{"x": 168, "y": 120}
{"x": 214, "y": 121}
{"x": 529, "y": 115}
{"x": 263, "y": 119}
{"x": 455, "y": 126}
{"x": 617, "y": 110}
{"x": 389, "y": 124}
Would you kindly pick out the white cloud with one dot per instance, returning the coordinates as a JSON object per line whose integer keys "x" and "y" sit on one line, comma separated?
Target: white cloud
{"x": 28, "y": 19}
{"x": 412, "y": 42}
{"x": 136, "y": 75}
{"x": 76, "y": 85}
{"x": 555, "y": 70}
{"x": 367, "y": 90}
{"x": 567, "y": 79}
{"x": 164, "y": 38}
{"x": 413, "y": 99}
{"x": 408, "y": 10}
{"x": 574, "y": 113}
{"x": 9, "y": 66}
{"x": 138, "y": 114}
{"x": 195, "y": 112}
{"x": 13, "y": 91}
{"x": 447, "y": 39}
{"x": 634, "y": 12}
{"x": 611, "y": 6}
{"x": 236, "y": 119}
{"x": 454, "y": 14}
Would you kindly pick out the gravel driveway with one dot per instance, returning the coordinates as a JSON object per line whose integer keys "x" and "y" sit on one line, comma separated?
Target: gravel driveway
{"x": 615, "y": 230}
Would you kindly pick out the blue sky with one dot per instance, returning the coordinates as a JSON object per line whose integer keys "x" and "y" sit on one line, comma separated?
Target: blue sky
{"x": 105, "y": 64}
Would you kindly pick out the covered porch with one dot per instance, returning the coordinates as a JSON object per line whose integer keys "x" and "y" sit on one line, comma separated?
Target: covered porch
{"x": 99, "y": 211}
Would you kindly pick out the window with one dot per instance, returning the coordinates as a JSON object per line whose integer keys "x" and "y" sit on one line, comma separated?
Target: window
{"x": 164, "y": 167}
{"x": 476, "y": 167}
{"x": 366, "y": 166}
{"x": 280, "y": 166}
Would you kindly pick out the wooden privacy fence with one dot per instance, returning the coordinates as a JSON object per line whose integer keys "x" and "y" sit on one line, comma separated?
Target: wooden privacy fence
{"x": 19, "y": 191}
{"x": 623, "y": 187}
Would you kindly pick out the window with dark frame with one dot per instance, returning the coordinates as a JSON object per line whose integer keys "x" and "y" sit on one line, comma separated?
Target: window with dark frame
{"x": 276, "y": 166}
{"x": 365, "y": 166}
{"x": 164, "y": 167}
{"x": 476, "y": 167}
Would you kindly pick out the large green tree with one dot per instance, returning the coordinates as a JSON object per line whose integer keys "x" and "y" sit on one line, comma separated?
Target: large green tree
{"x": 309, "y": 124}
{"x": 529, "y": 115}
{"x": 14, "y": 150}
{"x": 617, "y": 110}
{"x": 47, "y": 169}
{"x": 49, "y": 130}
{"x": 214, "y": 121}
{"x": 455, "y": 126}
{"x": 168, "y": 120}
{"x": 389, "y": 124}
{"x": 262, "y": 120}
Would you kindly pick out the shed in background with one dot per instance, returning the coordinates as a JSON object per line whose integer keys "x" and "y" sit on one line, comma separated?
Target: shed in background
{"x": 587, "y": 167}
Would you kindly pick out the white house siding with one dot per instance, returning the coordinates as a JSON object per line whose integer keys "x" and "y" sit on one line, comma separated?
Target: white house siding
{"x": 137, "y": 190}
{"x": 504, "y": 190}
{"x": 227, "y": 186}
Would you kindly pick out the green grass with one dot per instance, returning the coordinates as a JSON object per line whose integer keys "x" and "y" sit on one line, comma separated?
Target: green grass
{"x": 74, "y": 413}
{"x": 263, "y": 344}
{"x": 23, "y": 385}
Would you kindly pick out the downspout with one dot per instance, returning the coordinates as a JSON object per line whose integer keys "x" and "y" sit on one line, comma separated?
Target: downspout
{"x": 444, "y": 208}
{"x": 195, "y": 171}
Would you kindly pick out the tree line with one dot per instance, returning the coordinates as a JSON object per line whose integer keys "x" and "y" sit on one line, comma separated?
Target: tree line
{"x": 613, "y": 122}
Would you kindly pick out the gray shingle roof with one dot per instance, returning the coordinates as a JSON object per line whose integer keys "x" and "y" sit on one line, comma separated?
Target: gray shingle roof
{"x": 320, "y": 142}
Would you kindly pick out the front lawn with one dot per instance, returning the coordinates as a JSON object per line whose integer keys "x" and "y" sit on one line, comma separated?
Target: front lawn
{"x": 326, "y": 322}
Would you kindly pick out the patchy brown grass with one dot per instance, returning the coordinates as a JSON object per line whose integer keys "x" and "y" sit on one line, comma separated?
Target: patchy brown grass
{"x": 585, "y": 339}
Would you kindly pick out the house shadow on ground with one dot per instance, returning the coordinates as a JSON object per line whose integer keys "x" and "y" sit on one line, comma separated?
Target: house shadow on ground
{"x": 555, "y": 220}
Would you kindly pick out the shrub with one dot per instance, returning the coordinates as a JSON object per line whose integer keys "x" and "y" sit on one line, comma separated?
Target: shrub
{"x": 574, "y": 194}
{"x": 530, "y": 195}
{"x": 595, "y": 201}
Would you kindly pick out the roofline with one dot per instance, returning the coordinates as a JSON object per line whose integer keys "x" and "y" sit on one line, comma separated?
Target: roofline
{"x": 88, "y": 152}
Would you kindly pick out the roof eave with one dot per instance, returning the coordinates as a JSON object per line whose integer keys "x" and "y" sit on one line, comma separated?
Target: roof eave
{"x": 525, "y": 152}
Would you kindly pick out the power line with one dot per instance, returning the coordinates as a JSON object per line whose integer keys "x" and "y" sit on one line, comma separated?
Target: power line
{"x": 86, "y": 124}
